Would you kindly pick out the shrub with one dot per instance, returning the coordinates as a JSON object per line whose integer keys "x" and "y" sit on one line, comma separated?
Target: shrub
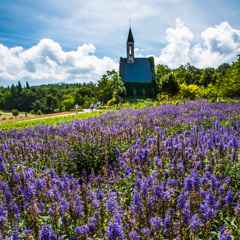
{"x": 32, "y": 112}
{"x": 112, "y": 102}
{"x": 39, "y": 112}
{"x": 68, "y": 104}
{"x": 15, "y": 112}
{"x": 191, "y": 91}
{"x": 79, "y": 109}
{"x": 103, "y": 107}
{"x": 57, "y": 110}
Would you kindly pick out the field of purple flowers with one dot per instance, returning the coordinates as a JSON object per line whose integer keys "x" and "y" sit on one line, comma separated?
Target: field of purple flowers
{"x": 168, "y": 172}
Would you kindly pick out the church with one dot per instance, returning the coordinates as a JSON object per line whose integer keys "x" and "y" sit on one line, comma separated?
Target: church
{"x": 137, "y": 73}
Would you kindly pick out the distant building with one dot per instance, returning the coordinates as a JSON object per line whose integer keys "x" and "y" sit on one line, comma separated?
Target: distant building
{"x": 137, "y": 73}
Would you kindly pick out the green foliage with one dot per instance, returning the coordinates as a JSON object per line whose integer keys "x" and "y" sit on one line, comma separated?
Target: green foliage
{"x": 27, "y": 98}
{"x": 47, "y": 121}
{"x": 110, "y": 86}
{"x": 168, "y": 85}
{"x": 15, "y": 112}
{"x": 207, "y": 77}
{"x": 191, "y": 91}
{"x": 39, "y": 112}
{"x": 68, "y": 104}
{"x": 231, "y": 82}
{"x": 221, "y": 82}
{"x": 38, "y": 105}
{"x": 8, "y": 100}
{"x": 140, "y": 89}
{"x": 112, "y": 102}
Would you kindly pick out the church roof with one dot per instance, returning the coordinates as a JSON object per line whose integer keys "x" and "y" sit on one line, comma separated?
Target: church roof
{"x": 139, "y": 71}
{"x": 130, "y": 36}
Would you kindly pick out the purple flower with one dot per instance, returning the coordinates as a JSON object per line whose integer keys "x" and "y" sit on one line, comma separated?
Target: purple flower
{"x": 181, "y": 201}
{"x": 224, "y": 234}
{"x": 115, "y": 231}
{"x": 46, "y": 233}
{"x": 188, "y": 184}
{"x": 229, "y": 198}
{"x": 195, "y": 223}
{"x": 146, "y": 231}
{"x": 156, "y": 223}
{"x": 166, "y": 175}
{"x": 133, "y": 235}
{"x": 209, "y": 168}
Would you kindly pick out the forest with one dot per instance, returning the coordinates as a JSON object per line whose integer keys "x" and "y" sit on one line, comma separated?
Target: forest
{"x": 185, "y": 82}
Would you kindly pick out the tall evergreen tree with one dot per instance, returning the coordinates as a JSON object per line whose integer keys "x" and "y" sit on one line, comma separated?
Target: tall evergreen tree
{"x": 8, "y": 100}
{"x": 27, "y": 85}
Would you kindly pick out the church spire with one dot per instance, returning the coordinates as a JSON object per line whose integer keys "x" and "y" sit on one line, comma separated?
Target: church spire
{"x": 130, "y": 47}
{"x": 130, "y": 36}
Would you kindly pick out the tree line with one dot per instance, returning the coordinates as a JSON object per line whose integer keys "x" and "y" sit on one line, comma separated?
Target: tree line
{"x": 60, "y": 97}
{"x": 187, "y": 81}
{"x": 190, "y": 82}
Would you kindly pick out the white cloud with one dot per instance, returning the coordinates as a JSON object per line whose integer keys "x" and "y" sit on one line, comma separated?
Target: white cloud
{"x": 47, "y": 61}
{"x": 220, "y": 44}
{"x": 177, "y": 50}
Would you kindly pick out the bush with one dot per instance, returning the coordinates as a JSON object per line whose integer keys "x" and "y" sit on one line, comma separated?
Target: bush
{"x": 79, "y": 109}
{"x": 103, "y": 107}
{"x": 112, "y": 102}
{"x": 39, "y": 112}
{"x": 68, "y": 104}
{"x": 15, "y": 112}
{"x": 32, "y": 112}
{"x": 191, "y": 91}
{"x": 57, "y": 110}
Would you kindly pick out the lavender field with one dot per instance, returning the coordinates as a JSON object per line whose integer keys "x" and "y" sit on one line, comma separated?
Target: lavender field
{"x": 168, "y": 172}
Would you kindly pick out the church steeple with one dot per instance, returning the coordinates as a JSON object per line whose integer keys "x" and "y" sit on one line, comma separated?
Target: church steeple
{"x": 130, "y": 47}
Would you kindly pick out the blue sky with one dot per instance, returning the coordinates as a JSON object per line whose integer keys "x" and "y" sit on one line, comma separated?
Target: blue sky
{"x": 50, "y": 41}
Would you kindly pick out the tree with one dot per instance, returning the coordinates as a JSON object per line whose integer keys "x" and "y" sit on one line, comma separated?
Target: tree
{"x": 54, "y": 103}
{"x": 27, "y": 85}
{"x": 8, "y": 101}
{"x": 49, "y": 99}
{"x": 38, "y": 105}
{"x": 168, "y": 85}
{"x": 68, "y": 104}
{"x": 207, "y": 77}
{"x": 161, "y": 70}
{"x": 104, "y": 89}
{"x": 117, "y": 85}
{"x": 217, "y": 79}
{"x": 231, "y": 82}
{"x": 27, "y": 98}
{"x": 85, "y": 90}
{"x": 223, "y": 68}
{"x": 19, "y": 88}
{"x": 110, "y": 86}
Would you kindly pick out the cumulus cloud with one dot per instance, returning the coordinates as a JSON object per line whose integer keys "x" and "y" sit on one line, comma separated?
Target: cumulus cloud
{"x": 48, "y": 62}
{"x": 219, "y": 44}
